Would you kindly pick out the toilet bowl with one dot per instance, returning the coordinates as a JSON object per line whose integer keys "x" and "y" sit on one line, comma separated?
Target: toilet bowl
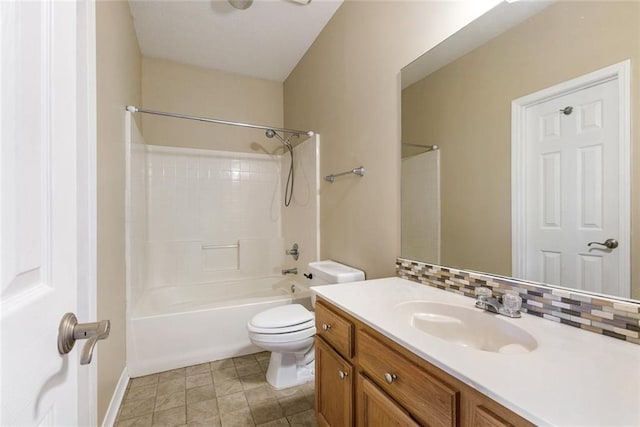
{"x": 288, "y": 331}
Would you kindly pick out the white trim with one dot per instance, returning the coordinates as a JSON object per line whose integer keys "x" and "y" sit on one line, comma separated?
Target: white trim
{"x": 116, "y": 400}
{"x": 318, "y": 200}
{"x": 620, "y": 71}
{"x": 128, "y": 218}
{"x": 87, "y": 195}
{"x": 439, "y": 214}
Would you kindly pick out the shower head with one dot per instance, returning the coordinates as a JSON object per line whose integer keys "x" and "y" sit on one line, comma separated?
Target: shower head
{"x": 270, "y": 133}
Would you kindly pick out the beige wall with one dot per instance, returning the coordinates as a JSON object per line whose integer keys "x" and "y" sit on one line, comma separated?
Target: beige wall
{"x": 118, "y": 81}
{"x": 466, "y": 109}
{"x": 187, "y": 89}
{"x": 347, "y": 88}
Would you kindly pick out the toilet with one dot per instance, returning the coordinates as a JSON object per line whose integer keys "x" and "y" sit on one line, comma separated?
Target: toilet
{"x": 287, "y": 331}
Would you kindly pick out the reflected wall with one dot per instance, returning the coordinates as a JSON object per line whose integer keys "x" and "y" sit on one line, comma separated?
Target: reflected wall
{"x": 465, "y": 108}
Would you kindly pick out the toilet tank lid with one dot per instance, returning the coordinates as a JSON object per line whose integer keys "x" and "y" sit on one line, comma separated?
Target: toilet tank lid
{"x": 282, "y": 316}
{"x": 334, "y": 272}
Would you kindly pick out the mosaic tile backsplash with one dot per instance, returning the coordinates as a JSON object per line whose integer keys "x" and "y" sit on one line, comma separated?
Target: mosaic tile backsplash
{"x": 617, "y": 319}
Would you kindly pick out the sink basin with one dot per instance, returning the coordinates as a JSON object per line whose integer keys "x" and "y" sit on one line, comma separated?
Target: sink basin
{"x": 467, "y": 327}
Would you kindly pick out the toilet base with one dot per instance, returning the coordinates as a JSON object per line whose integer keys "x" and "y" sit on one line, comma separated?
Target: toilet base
{"x": 289, "y": 369}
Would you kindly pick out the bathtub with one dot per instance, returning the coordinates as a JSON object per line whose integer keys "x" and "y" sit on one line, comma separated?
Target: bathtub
{"x": 178, "y": 326}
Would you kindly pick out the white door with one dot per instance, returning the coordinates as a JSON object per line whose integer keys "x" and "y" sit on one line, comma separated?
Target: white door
{"x": 46, "y": 177}
{"x": 574, "y": 190}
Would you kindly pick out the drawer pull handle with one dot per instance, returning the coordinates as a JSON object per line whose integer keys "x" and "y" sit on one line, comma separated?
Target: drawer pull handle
{"x": 390, "y": 377}
{"x": 343, "y": 374}
{"x": 326, "y": 326}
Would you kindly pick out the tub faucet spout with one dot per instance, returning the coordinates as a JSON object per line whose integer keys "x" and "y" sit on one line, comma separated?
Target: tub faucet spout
{"x": 290, "y": 271}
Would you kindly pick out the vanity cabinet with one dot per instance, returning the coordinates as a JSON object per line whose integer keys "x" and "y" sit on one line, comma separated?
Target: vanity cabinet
{"x": 365, "y": 379}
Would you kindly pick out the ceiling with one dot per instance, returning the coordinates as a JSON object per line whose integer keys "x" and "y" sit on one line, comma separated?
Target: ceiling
{"x": 266, "y": 40}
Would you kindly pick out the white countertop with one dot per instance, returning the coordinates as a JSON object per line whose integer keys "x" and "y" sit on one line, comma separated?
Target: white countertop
{"x": 573, "y": 377}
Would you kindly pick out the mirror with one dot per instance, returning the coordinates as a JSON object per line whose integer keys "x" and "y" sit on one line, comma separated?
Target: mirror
{"x": 458, "y": 198}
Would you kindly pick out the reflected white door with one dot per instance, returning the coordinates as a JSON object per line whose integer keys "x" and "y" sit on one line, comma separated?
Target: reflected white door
{"x": 44, "y": 127}
{"x": 574, "y": 180}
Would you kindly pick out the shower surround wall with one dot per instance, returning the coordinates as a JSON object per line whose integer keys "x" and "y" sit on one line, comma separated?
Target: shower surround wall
{"x": 213, "y": 215}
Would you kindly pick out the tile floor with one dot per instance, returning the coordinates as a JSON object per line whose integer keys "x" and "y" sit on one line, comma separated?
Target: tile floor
{"x": 230, "y": 392}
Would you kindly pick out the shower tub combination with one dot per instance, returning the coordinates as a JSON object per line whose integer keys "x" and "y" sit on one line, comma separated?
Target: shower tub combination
{"x": 177, "y": 326}
{"x": 206, "y": 237}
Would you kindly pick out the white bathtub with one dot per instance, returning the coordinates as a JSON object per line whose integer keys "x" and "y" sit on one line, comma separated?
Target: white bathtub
{"x": 179, "y": 326}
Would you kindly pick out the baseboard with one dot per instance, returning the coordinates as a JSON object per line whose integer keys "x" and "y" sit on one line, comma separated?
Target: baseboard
{"x": 116, "y": 400}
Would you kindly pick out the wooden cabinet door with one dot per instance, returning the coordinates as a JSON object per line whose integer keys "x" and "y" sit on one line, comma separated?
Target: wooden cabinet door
{"x": 376, "y": 409}
{"x": 482, "y": 417}
{"x": 334, "y": 387}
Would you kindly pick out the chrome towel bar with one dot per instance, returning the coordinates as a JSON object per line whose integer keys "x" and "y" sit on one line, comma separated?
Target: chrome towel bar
{"x": 357, "y": 171}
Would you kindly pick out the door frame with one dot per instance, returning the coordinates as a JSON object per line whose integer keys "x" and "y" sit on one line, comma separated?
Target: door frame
{"x": 86, "y": 102}
{"x": 87, "y": 198}
{"x": 621, "y": 72}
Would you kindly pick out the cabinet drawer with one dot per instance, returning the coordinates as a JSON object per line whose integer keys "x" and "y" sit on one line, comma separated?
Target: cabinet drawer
{"x": 335, "y": 329}
{"x": 428, "y": 399}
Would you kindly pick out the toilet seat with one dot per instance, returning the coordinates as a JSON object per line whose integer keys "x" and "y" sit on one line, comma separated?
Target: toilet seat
{"x": 281, "y": 317}
{"x": 284, "y": 330}
{"x": 290, "y": 337}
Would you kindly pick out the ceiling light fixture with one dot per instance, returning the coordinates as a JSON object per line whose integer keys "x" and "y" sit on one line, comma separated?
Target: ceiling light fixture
{"x": 241, "y": 4}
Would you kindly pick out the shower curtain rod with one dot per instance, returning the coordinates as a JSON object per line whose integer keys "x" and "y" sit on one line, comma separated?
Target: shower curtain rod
{"x": 134, "y": 109}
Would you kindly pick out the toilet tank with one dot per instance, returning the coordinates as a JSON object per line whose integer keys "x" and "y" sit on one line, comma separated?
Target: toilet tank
{"x": 330, "y": 272}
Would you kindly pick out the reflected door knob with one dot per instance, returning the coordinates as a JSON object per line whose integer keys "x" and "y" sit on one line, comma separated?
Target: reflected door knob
{"x": 609, "y": 243}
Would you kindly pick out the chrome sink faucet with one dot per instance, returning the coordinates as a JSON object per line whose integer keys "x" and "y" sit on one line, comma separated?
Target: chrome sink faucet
{"x": 290, "y": 271}
{"x": 509, "y": 306}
